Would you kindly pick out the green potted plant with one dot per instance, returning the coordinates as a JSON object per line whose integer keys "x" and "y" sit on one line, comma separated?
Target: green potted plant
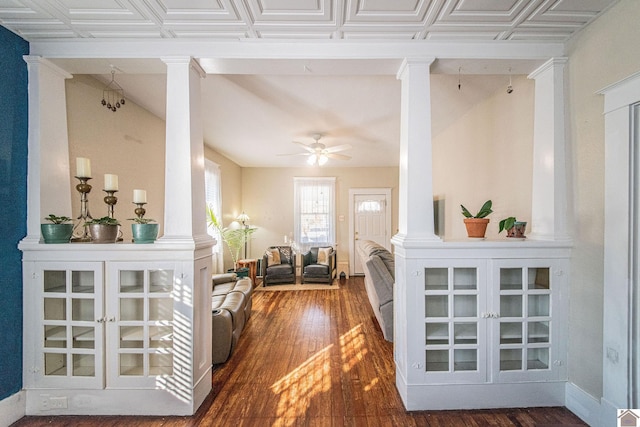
{"x": 477, "y": 224}
{"x": 234, "y": 238}
{"x": 104, "y": 230}
{"x": 514, "y": 228}
{"x": 58, "y": 230}
{"x": 143, "y": 231}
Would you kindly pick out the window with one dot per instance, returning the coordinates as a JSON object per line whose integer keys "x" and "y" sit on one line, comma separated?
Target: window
{"x": 213, "y": 198}
{"x": 314, "y": 212}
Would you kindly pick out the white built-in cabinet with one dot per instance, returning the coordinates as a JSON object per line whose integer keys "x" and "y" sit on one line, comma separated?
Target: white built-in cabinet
{"x": 493, "y": 329}
{"x": 102, "y": 331}
{"x": 117, "y": 329}
{"x": 492, "y": 321}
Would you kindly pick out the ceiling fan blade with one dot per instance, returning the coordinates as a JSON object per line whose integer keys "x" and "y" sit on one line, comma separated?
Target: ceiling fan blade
{"x": 305, "y": 146}
{"x": 338, "y": 156}
{"x": 293, "y": 154}
{"x": 337, "y": 148}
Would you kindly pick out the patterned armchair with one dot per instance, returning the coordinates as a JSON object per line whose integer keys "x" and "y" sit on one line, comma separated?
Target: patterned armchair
{"x": 319, "y": 265}
{"x": 278, "y": 266}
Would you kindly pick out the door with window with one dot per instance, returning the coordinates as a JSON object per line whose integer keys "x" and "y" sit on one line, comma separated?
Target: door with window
{"x": 371, "y": 220}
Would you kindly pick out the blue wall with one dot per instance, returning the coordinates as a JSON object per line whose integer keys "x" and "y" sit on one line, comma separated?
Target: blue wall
{"x": 13, "y": 204}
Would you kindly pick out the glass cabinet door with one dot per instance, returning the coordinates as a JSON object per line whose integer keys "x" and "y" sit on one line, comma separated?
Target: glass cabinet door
{"x": 524, "y": 331}
{"x": 141, "y": 334}
{"x": 453, "y": 327}
{"x": 71, "y": 330}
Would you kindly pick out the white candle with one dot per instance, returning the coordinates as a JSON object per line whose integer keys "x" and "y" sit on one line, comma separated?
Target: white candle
{"x": 139, "y": 196}
{"x": 83, "y": 167}
{"x": 110, "y": 182}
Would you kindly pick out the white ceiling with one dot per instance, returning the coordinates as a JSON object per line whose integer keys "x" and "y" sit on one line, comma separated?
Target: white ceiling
{"x": 254, "y": 108}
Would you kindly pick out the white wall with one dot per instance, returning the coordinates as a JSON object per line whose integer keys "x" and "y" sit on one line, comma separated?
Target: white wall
{"x": 267, "y": 195}
{"x": 482, "y": 148}
{"x": 604, "y": 53}
{"x": 129, "y": 143}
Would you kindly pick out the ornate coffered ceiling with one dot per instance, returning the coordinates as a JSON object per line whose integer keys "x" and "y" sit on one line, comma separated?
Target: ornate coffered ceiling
{"x": 282, "y": 70}
{"x": 532, "y": 20}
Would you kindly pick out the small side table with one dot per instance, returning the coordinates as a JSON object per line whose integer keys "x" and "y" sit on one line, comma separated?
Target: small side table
{"x": 252, "y": 265}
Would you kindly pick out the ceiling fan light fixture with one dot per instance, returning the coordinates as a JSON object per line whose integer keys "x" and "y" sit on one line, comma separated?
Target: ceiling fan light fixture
{"x": 311, "y": 160}
{"x": 322, "y": 159}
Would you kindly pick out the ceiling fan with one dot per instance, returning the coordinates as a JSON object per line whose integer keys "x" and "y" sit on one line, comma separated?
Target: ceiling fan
{"x": 319, "y": 153}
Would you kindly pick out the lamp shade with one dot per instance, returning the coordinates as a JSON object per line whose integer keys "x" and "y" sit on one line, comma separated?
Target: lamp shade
{"x": 243, "y": 218}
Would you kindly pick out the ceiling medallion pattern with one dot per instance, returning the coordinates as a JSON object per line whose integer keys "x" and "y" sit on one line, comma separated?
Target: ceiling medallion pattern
{"x": 533, "y": 20}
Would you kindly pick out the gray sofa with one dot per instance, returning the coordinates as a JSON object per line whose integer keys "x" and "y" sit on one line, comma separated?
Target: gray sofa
{"x": 379, "y": 277}
{"x": 231, "y": 302}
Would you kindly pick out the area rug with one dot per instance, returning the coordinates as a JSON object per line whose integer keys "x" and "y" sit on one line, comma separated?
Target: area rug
{"x": 298, "y": 287}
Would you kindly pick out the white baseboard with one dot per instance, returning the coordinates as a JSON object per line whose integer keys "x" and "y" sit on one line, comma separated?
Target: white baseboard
{"x": 12, "y": 409}
{"x": 582, "y": 404}
{"x": 609, "y": 412}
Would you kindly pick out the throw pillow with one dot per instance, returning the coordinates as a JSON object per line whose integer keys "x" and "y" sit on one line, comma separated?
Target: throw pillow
{"x": 273, "y": 257}
{"x": 323, "y": 255}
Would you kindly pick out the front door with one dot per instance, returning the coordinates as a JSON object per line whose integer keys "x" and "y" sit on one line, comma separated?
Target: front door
{"x": 371, "y": 219}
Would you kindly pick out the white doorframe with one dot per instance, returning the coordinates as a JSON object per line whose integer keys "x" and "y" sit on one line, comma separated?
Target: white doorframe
{"x": 353, "y": 192}
{"x": 620, "y": 352}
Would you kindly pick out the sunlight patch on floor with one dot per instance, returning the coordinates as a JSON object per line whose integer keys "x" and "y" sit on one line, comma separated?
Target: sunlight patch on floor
{"x": 298, "y": 387}
{"x": 352, "y": 348}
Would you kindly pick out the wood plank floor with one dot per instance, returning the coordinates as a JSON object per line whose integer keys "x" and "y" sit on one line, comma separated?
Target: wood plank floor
{"x": 314, "y": 358}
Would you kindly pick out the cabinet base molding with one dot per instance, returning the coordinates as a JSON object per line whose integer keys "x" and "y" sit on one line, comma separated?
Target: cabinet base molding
{"x": 421, "y": 397}
{"x": 110, "y": 402}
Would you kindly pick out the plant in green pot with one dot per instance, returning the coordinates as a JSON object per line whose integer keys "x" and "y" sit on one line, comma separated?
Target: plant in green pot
{"x": 143, "y": 231}
{"x": 477, "y": 224}
{"x": 514, "y": 228}
{"x": 58, "y": 230}
{"x": 104, "y": 230}
{"x": 234, "y": 238}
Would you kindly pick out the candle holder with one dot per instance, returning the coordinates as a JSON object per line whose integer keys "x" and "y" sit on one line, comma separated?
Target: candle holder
{"x": 140, "y": 210}
{"x": 110, "y": 199}
{"x": 80, "y": 231}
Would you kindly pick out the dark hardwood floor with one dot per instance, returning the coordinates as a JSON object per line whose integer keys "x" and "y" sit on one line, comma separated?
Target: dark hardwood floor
{"x": 314, "y": 358}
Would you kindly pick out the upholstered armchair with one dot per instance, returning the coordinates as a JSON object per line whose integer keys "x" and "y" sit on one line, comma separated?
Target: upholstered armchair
{"x": 319, "y": 265}
{"x": 278, "y": 266}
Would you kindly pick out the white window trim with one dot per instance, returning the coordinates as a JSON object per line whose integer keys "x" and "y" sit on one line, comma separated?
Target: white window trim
{"x": 331, "y": 239}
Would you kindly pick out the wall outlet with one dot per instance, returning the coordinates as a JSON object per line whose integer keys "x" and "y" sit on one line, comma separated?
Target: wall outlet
{"x": 58, "y": 402}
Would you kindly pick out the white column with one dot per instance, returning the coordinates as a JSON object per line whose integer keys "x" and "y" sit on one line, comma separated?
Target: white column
{"x": 549, "y": 192}
{"x": 184, "y": 211}
{"x": 48, "y": 178}
{"x": 415, "y": 216}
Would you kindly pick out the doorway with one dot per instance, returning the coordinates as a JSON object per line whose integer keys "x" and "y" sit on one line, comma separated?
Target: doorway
{"x": 369, "y": 219}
